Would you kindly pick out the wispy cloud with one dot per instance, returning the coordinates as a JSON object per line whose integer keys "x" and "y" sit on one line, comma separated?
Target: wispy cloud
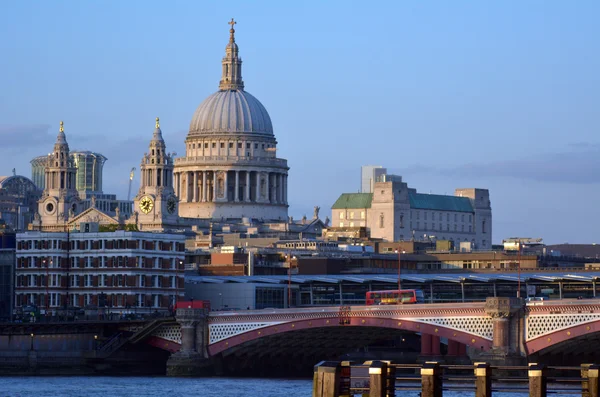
{"x": 578, "y": 166}
{"x": 25, "y": 136}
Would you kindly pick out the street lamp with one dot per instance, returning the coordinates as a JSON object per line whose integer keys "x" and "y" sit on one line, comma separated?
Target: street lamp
{"x": 519, "y": 269}
{"x": 290, "y": 257}
{"x": 400, "y": 252}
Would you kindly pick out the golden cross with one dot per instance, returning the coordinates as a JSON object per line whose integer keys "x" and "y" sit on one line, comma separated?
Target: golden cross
{"x": 62, "y": 128}
{"x": 232, "y": 23}
{"x": 157, "y": 124}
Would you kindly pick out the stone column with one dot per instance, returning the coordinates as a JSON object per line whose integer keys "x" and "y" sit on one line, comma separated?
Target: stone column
{"x": 425, "y": 345}
{"x": 435, "y": 345}
{"x": 237, "y": 186}
{"x": 214, "y": 181}
{"x": 268, "y": 188}
{"x": 285, "y": 187}
{"x": 195, "y": 196}
{"x": 247, "y": 198}
{"x": 280, "y": 186}
{"x": 204, "y": 174}
{"x": 257, "y": 190}
{"x": 226, "y": 185}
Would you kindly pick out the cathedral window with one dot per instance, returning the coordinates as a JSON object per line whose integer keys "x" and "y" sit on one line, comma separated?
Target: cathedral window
{"x": 342, "y": 215}
{"x": 247, "y": 146}
{"x": 230, "y": 145}
{"x": 158, "y": 152}
{"x": 483, "y": 226}
{"x": 381, "y": 221}
{"x": 239, "y": 145}
{"x": 222, "y": 145}
{"x": 263, "y": 145}
{"x": 153, "y": 151}
{"x": 214, "y": 145}
{"x": 206, "y": 146}
{"x": 256, "y": 146}
{"x": 402, "y": 221}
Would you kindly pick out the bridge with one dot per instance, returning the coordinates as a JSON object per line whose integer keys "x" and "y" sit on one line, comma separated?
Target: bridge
{"x": 502, "y": 330}
{"x": 498, "y": 329}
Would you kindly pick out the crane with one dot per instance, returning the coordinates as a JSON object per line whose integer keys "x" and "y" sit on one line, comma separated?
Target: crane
{"x": 130, "y": 180}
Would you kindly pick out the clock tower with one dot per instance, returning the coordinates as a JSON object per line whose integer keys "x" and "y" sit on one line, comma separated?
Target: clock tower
{"x": 155, "y": 205}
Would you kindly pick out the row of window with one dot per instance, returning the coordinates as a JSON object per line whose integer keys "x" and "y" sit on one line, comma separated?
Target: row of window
{"x": 351, "y": 215}
{"x": 101, "y": 244}
{"x": 89, "y": 262}
{"x": 104, "y": 280}
{"x": 230, "y": 145}
{"x": 440, "y": 216}
{"x": 55, "y": 300}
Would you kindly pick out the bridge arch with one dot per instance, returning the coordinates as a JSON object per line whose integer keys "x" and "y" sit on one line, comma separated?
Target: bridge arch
{"x": 223, "y": 345}
{"x": 552, "y": 340}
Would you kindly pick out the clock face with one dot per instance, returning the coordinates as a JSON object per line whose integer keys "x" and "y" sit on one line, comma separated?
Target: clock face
{"x": 146, "y": 204}
{"x": 171, "y": 205}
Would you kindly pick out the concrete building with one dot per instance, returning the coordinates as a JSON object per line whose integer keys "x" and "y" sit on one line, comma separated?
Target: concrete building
{"x": 369, "y": 174}
{"x": 134, "y": 271}
{"x": 395, "y": 212}
{"x": 230, "y": 169}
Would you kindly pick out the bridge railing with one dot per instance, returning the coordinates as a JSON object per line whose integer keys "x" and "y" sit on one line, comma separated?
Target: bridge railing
{"x": 382, "y": 378}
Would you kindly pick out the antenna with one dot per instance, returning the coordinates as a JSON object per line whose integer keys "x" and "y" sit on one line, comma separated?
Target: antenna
{"x": 130, "y": 180}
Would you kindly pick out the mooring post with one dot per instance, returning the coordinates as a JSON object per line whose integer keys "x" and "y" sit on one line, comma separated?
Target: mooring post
{"x": 345, "y": 375}
{"x": 431, "y": 380}
{"x": 537, "y": 380}
{"x": 326, "y": 379}
{"x": 593, "y": 384}
{"x": 390, "y": 381}
{"x": 377, "y": 379}
{"x": 584, "y": 380}
{"x": 483, "y": 380}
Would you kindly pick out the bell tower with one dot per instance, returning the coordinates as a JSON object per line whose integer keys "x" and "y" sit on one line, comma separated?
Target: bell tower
{"x": 156, "y": 204}
{"x": 60, "y": 199}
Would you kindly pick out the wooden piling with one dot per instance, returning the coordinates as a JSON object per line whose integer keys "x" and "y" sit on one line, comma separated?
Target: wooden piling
{"x": 537, "y": 380}
{"x": 483, "y": 380}
{"x": 431, "y": 380}
{"x": 593, "y": 380}
{"x": 326, "y": 379}
{"x": 377, "y": 379}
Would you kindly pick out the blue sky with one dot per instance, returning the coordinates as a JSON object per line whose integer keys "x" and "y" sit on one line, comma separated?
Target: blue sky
{"x": 501, "y": 95}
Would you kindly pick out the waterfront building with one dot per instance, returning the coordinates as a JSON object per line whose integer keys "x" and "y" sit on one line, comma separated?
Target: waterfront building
{"x": 395, "y": 212}
{"x": 38, "y": 171}
{"x": 231, "y": 169}
{"x": 126, "y": 271}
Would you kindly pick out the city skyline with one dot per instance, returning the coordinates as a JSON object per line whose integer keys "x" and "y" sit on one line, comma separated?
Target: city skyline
{"x": 475, "y": 105}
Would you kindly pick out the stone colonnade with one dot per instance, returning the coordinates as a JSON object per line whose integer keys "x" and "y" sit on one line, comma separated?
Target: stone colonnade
{"x": 231, "y": 186}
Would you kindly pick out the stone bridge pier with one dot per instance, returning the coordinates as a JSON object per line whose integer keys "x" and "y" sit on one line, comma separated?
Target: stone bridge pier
{"x": 192, "y": 358}
{"x": 508, "y": 319}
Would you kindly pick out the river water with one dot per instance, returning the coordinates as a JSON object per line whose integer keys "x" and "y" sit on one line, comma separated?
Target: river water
{"x": 41, "y": 386}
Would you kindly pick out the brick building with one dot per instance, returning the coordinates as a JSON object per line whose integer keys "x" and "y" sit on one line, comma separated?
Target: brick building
{"x": 124, "y": 271}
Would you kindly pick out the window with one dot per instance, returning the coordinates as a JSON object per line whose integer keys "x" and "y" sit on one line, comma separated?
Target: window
{"x": 214, "y": 145}
{"x": 230, "y": 145}
{"x": 455, "y": 227}
{"x": 342, "y": 215}
{"x": 440, "y": 218}
{"x": 352, "y": 215}
{"x": 256, "y": 146}
{"x": 447, "y": 217}
{"x": 462, "y": 228}
{"x": 239, "y": 145}
{"x": 483, "y": 226}
{"x": 401, "y": 221}
{"x": 462, "y": 218}
{"x": 455, "y": 218}
{"x": 381, "y": 220}
{"x": 351, "y": 224}
{"x": 425, "y": 215}
{"x": 470, "y": 218}
{"x": 470, "y": 228}
{"x": 362, "y": 214}
{"x": 263, "y": 145}
{"x": 417, "y": 214}
{"x": 440, "y": 229}
{"x": 222, "y": 145}
{"x": 418, "y": 225}
{"x": 206, "y": 145}
{"x": 247, "y": 146}
{"x": 341, "y": 224}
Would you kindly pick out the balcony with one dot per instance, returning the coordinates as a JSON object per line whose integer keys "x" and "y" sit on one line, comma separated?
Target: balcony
{"x": 231, "y": 160}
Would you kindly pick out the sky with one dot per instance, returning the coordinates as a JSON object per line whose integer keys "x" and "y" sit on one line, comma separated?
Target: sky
{"x": 500, "y": 95}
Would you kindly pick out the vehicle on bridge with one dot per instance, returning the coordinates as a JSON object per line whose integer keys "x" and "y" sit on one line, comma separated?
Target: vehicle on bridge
{"x": 394, "y": 297}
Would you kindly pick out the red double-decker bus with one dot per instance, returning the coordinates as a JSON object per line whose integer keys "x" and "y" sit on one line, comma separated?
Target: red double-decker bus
{"x": 394, "y": 297}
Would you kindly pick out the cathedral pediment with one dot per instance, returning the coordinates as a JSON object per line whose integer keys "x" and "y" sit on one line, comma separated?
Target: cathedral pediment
{"x": 93, "y": 215}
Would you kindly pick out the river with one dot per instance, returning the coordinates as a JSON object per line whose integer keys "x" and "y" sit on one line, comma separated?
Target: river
{"x": 42, "y": 386}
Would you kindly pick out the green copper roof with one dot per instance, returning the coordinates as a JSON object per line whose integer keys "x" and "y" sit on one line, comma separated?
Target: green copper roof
{"x": 353, "y": 200}
{"x": 438, "y": 202}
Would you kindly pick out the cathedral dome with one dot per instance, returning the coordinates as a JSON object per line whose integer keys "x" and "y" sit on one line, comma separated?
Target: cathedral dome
{"x": 231, "y": 111}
